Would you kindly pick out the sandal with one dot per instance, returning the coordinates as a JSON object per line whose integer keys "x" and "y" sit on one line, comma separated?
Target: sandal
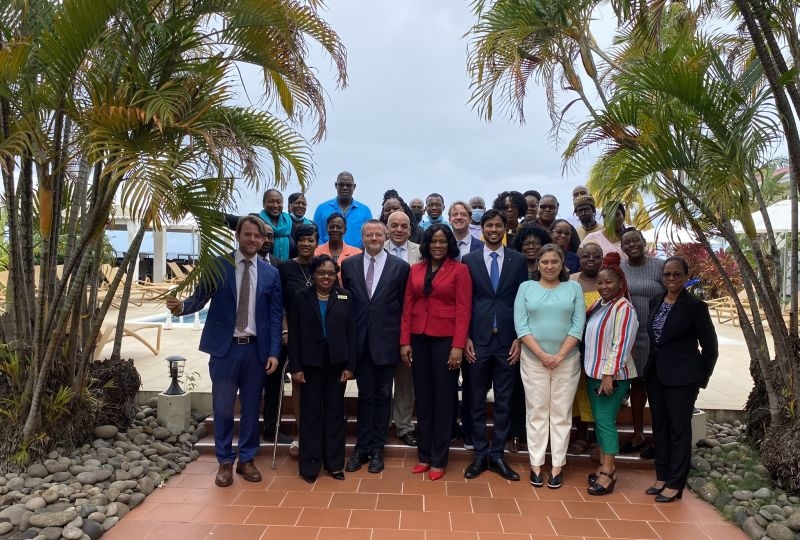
{"x": 578, "y": 447}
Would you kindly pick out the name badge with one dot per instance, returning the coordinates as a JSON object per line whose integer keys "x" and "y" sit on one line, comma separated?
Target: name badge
{"x": 341, "y": 296}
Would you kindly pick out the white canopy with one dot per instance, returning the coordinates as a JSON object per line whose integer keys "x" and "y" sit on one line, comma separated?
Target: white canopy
{"x": 780, "y": 217}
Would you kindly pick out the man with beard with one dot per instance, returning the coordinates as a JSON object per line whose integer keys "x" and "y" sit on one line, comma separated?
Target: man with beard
{"x": 585, "y": 211}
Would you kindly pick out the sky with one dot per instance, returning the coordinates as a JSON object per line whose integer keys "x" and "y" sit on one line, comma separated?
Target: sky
{"x": 404, "y": 121}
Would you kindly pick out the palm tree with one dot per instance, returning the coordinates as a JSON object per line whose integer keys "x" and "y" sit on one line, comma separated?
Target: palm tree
{"x": 132, "y": 100}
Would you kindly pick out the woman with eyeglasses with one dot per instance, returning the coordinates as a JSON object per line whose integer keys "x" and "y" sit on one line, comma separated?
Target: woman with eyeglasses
{"x": 529, "y": 241}
{"x": 433, "y": 333}
{"x": 561, "y": 233}
{"x": 514, "y": 206}
{"x": 322, "y": 359}
{"x": 683, "y": 351}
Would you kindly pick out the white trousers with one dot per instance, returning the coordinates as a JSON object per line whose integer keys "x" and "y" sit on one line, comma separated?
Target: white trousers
{"x": 548, "y": 405}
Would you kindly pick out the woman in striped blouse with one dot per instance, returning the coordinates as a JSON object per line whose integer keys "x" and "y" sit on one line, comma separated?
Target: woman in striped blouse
{"x": 611, "y": 326}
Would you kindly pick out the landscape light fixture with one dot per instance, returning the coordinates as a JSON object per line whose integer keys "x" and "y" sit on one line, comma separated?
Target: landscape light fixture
{"x": 176, "y": 364}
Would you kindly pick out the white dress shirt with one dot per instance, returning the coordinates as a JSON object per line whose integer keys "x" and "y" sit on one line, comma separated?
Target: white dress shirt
{"x": 250, "y": 330}
{"x": 398, "y": 251}
{"x": 463, "y": 245}
{"x": 488, "y": 258}
{"x": 380, "y": 262}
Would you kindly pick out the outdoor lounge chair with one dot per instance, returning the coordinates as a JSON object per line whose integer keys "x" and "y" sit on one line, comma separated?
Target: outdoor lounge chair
{"x": 131, "y": 329}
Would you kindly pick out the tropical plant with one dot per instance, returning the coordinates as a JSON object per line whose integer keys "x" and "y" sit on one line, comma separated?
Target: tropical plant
{"x": 133, "y": 101}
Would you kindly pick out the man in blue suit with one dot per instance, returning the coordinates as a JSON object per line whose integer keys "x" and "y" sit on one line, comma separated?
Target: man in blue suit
{"x": 242, "y": 335}
{"x": 492, "y": 351}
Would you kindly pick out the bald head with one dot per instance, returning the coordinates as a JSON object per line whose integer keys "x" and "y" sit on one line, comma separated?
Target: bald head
{"x": 399, "y": 228}
{"x": 580, "y": 191}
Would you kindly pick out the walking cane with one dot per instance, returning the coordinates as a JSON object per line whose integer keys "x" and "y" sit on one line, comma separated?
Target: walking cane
{"x": 278, "y": 420}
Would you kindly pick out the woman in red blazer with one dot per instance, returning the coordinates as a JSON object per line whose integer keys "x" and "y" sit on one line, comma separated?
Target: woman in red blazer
{"x": 433, "y": 333}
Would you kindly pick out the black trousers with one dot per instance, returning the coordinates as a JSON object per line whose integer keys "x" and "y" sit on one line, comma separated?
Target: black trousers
{"x": 517, "y": 420}
{"x": 671, "y": 408}
{"x": 461, "y": 409}
{"x": 322, "y": 431}
{"x": 374, "y": 404}
{"x": 434, "y": 387}
{"x": 491, "y": 369}
{"x": 272, "y": 394}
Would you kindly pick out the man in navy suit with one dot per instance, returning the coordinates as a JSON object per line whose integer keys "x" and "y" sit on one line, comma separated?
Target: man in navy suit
{"x": 492, "y": 350}
{"x": 377, "y": 283}
{"x": 242, "y": 335}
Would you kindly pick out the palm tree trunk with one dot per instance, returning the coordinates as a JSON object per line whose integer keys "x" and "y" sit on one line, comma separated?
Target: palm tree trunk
{"x": 133, "y": 250}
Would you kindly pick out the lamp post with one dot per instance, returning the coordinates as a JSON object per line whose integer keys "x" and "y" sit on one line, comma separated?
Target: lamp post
{"x": 176, "y": 365}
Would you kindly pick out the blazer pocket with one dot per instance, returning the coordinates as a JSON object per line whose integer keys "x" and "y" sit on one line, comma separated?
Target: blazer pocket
{"x": 446, "y": 313}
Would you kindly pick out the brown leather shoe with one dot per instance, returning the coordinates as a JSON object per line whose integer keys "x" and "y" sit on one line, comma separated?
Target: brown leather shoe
{"x": 248, "y": 471}
{"x": 224, "y": 475}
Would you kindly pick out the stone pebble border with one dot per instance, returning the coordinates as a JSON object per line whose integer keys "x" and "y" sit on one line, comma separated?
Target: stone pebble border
{"x": 82, "y": 494}
{"x": 727, "y": 472}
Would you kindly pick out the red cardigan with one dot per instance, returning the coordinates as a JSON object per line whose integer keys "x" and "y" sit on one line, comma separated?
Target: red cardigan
{"x": 446, "y": 312}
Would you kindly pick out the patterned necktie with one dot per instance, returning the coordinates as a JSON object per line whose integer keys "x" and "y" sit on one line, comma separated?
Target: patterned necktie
{"x": 494, "y": 274}
{"x": 244, "y": 298}
{"x": 370, "y": 275}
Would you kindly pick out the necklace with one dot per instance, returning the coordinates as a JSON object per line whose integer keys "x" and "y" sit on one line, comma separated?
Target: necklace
{"x": 303, "y": 270}
{"x": 322, "y": 296}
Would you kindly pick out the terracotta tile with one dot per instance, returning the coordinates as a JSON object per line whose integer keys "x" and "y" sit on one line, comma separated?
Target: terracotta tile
{"x": 362, "y": 501}
{"x": 445, "y": 503}
{"x": 295, "y": 533}
{"x": 376, "y": 485}
{"x": 502, "y": 536}
{"x": 514, "y": 490}
{"x": 549, "y": 537}
{"x": 394, "y": 463}
{"x": 184, "y": 531}
{"x": 316, "y": 517}
{"x": 374, "y": 519}
{"x": 214, "y": 496}
{"x": 542, "y": 508}
{"x": 617, "y": 497}
{"x": 173, "y": 512}
{"x": 624, "y": 528}
{"x": 450, "y": 535}
{"x": 259, "y": 498}
{"x": 418, "y": 487}
{"x": 265, "y": 515}
{"x": 170, "y": 495}
{"x": 636, "y": 496}
{"x": 577, "y": 527}
{"x": 289, "y": 483}
{"x": 565, "y": 493}
{"x": 679, "y": 531}
{"x": 461, "y": 521}
{"x": 334, "y": 533}
{"x": 240, "y": 532}
{"x": 205, "y": 481}
{"x": 426, "y": 521}
{"x": 131, "y": 530}
{"x": 204, "y": 467}
{"x": 638, "y": 512}
{"x": 140, "y": 512}
{"x": 234, "y": 515}
{"x": 487, "y": 505}
{"x": 526, "y": 524}
{"x": 689, "y": 511}
{"x": 395, "y": 473}
{"x": 469, "y": 489}
{"x": 724, "y": 530}
{"x": 307, "y": 500}
{"x": 391, "y": 501}
{"x": 388, "y": 534}
{"x": 328, "y": 484}
{"x": 595, "y": 510}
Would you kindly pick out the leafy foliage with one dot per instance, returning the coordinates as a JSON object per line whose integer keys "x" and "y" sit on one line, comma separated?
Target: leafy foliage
{"x": 701, "y": 266}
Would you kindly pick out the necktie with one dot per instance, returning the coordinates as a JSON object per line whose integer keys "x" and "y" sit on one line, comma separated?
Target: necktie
{"x": 370, "y": 275}
{"x": 397, "y": 251}
{"x": 244, "y": 297}
{"x": 494, "y": 274}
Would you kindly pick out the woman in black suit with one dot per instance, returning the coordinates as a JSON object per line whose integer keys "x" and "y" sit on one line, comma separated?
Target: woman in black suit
{"x": 683, "y": 351}
{"x": 322, "y": 358}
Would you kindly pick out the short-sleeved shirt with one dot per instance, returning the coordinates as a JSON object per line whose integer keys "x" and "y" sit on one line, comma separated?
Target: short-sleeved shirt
{"x": 357, "y": 213}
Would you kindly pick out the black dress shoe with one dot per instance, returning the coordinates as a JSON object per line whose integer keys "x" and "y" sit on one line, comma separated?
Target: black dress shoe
{"x": 652, "y": 490}
{"x": 537, "y": 480}
{"x": 356, "y": 461}
{"x": 408, "y": 438}
{"x": 337, "y": 475}
{"x": 661, "y": 498}
{"x": 375, "y": 464}
{"x": 475, "y": 468}
{"x": 501, "y": 467}
{"x": 648, "y": 453}
{"x": 310, "y": 478}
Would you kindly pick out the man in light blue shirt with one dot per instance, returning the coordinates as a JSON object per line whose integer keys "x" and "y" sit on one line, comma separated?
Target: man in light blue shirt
{"x": 434, "y": 208}
{"x": 355, "y": 213}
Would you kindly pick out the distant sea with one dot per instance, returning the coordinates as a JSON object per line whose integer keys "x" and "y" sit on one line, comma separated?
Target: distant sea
{"x": 179, "y": 245}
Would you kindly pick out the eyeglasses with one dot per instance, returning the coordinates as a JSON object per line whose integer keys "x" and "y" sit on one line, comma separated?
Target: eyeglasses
{"x": 531, "y": 244}
{"x": 434, "y": 205}
{"x": 344, "y": 185}
{"x": 672, "y": 275}
{"x": 547, "y": 207}
{"x": 325, "y": 273}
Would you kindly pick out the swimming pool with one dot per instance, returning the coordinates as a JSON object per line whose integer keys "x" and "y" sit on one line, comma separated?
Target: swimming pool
{"x": 180, "y": 321}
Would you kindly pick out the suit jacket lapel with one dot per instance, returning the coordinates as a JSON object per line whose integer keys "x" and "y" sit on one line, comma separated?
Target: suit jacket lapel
{"x": 362, "y": 282}
{"x": 507, "y": 257}
{"x": 388, "y": 268}
{"x": 674, "y": 315}
{"x": 230, "y": 270}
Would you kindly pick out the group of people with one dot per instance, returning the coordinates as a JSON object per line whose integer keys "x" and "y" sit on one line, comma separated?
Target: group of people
{"x": 555, "y": 319}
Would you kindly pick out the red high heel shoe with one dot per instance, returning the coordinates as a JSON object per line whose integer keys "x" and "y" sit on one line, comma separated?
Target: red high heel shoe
{"x": 435, "y": 475}
{"x": 420, "y": 468}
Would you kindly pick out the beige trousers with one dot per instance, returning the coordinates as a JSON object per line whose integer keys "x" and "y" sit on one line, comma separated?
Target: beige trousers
{"x": 548, "y": 405}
